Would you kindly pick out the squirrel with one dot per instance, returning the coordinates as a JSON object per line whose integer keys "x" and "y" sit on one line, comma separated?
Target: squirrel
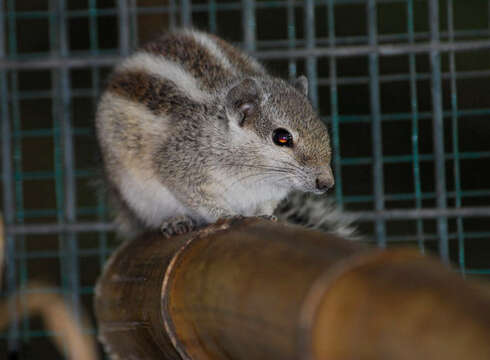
{"x": 192, "y": 129}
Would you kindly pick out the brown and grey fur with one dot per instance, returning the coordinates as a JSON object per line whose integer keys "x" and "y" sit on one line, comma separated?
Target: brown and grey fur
{"x": 181, "y": 146}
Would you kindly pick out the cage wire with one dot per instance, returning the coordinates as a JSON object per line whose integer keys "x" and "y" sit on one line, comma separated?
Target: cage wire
{"x": 403, "y": 85}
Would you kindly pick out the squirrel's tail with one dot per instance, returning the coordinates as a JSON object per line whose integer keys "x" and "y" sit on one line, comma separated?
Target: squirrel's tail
{"x": 317, "y": 212}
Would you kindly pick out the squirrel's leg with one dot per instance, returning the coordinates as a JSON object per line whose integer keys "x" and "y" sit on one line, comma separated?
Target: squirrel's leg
{"x": 178, "y": 226}
{"x": 209, "y": 203}
{"x": 267, "y": 209}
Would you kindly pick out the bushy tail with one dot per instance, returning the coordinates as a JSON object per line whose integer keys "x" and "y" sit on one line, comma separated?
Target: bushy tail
{"x": 317, "y": 212}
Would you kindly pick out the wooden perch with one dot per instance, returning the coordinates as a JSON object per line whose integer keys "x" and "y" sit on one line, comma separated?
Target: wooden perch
{"x": 255, "y": 289}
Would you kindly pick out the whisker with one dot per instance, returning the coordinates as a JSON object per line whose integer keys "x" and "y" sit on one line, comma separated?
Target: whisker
{"x": 283, "y": 173}
{"x": 283, "y": 170}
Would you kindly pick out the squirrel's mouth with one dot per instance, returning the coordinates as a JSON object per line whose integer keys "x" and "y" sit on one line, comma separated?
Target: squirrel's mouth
{"x": 318, "y": 191}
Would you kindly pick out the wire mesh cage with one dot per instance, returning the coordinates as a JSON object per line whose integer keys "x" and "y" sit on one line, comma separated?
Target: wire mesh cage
{"x": 404, "y": 86}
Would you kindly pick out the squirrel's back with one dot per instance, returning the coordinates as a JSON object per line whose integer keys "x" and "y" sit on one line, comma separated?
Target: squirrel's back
{"x": 211, "y": 60}
{"x": 198, "y": 63}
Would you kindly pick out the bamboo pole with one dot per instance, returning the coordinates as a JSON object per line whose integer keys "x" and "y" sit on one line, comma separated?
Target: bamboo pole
{"x": 254, "y": 289}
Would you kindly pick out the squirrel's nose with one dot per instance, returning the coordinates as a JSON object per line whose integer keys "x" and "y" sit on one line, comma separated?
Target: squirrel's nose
{"x": 324, "y": 184}
{"x": 325, "y": 180}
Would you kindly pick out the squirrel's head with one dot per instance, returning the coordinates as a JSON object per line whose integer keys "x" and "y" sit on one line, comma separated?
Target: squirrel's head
{"x": 276, "y": 117}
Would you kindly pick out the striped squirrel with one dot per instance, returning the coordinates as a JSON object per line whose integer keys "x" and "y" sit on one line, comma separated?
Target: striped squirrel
{"x": 192, "y": 129}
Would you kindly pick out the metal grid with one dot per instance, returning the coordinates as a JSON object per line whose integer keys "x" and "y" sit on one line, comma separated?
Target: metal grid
{"x": 416, "y": 192}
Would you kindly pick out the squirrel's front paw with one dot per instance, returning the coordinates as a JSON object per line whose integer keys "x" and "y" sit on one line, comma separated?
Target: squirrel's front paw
{"x": 268, "y": 217}
{"x": 178, "y": 226}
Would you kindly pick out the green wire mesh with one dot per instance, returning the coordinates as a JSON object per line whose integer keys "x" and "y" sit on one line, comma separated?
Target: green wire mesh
{"x": 403, "y": 84}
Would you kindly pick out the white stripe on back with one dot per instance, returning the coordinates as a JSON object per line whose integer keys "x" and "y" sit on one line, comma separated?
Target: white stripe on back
{"x": 210, "y": 45}
{"x": 163, "y": 68}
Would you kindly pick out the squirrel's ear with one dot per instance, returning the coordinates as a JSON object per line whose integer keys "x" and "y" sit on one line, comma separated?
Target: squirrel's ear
{"x": 242, "y": 100}
{"x": 301, "y": 84}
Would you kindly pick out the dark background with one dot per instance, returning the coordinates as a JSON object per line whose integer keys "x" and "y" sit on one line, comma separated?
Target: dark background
{"x": 473, "y": 94}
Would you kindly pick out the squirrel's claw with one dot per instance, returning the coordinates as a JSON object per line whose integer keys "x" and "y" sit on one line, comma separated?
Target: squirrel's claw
{"x": 268, "y": 217}
{"x": 177, "y": 226}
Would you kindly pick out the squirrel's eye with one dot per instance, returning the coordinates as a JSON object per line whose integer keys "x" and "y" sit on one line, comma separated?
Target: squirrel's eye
{"x": 282, "y": 137}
